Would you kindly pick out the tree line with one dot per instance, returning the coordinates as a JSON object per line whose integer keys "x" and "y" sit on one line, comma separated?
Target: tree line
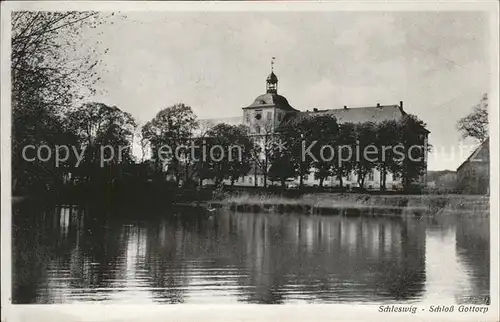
{"x": 51, "y": 77}
{"x": 278, "y": 156}
{"x": 347, "y": 143}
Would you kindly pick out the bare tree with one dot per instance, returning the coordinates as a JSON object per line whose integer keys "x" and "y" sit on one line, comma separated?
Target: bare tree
{"x": 48, "y": 64}
{"x": 475, "y": 125}
{"x": 50, "y": 71}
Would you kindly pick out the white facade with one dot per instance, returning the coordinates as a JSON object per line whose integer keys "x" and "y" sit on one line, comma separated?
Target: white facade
{"x": 372, "y": 181}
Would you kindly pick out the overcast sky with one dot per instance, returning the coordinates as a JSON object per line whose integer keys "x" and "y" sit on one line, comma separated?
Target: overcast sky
{"x": 217, "y": 62}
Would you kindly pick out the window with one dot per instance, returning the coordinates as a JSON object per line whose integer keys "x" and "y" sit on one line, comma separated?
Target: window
{"x": 279, "y": 116}
{"x": 257, "y": 129}
{"x": 250, "y": 180}
{"x": 269, "y": 116}
{"x": 371, "y": 176}
{"x": 306, "y": 177}
{"x": 247, "y": 117}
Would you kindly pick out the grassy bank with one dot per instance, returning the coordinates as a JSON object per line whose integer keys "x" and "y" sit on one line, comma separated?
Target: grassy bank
{"x": 333, "y": 203}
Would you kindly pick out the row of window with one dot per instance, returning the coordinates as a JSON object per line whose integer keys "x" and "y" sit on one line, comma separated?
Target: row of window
{"x": 260, "y": 180}
{"x": 350, "y": 177}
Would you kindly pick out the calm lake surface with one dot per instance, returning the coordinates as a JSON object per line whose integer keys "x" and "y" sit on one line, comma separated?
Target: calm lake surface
{"x": 70, "y": 254}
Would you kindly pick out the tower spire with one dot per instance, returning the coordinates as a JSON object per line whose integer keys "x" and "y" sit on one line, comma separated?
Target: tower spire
{"x": 272, "y": 80}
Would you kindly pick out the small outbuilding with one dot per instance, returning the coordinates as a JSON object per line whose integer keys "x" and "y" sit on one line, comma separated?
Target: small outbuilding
{"x": 473, "y": 175}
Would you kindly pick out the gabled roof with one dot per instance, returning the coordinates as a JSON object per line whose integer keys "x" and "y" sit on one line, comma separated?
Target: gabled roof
{"x": 271, "y": 100}
{"x": 478, "y": 150}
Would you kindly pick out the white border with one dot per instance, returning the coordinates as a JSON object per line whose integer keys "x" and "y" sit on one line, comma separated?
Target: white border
{"x": 244, "y": 312}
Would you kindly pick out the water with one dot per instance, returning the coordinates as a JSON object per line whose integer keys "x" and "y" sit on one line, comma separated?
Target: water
{"x": 70, "y": 255}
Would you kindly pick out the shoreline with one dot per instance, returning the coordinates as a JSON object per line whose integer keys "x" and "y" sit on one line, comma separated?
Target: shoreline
{"x": 357, "y": 204}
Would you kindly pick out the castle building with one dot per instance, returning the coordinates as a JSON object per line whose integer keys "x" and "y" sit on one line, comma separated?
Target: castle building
{"x": 270, "y": 110}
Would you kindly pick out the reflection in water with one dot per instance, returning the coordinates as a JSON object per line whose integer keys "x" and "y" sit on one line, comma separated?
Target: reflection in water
{"x": 70, "y": 254}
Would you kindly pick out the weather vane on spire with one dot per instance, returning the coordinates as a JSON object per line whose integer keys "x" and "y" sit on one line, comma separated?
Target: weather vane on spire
{"x": 272, "y": 63}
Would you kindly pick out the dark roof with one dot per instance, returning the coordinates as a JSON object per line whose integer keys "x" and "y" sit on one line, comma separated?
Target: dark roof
{"x": 271, "y": 100}
{"x": 272, "y": 78}
{"x": 484, "y": 145}
{"x": 353, "y": 115}
{"x": 365, "y": 114}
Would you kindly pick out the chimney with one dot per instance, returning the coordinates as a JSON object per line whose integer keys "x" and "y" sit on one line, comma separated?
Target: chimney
{"x": 315, "y": 109}
{"x": 401, "y": 106}
{"x": 378, "y": 105}
{"x": 345, "y": 107}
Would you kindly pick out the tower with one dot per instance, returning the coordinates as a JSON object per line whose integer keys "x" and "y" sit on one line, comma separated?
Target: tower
{"x": 272, "y": 80}
{"x": 268, "y": 110}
